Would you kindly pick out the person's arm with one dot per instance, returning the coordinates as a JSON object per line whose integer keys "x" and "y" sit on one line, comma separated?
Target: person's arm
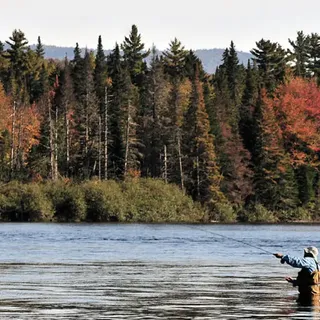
{"x": 297, "y": 262}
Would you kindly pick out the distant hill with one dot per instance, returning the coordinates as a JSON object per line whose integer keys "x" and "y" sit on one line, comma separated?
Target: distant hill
{"x": 211, "y": 58}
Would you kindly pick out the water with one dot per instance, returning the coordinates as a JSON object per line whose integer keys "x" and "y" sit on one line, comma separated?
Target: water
{"x": 72, "y": 271}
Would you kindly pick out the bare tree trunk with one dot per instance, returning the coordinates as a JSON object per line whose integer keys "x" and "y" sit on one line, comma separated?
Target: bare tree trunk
{"x": 106, "y": 133}
{"x": 86, "y": 127}
{"x": 127, "y": 141}
{"x": 18, "y": 151}
{"x": 51, "y": 146}
{"x": 86, "y": 150}
{"x": 55, "y": 143}
{"x": 67, "y": 141}
{"x": 198, "y": 178}
{"x": 12, "y": 146}
{"x": 99, "y": 149}
{"x": 180, "y": 162}
{"x": 165, "y": 175}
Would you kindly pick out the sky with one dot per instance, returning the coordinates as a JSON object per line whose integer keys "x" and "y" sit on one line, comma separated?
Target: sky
{"x": 198, "y": 24}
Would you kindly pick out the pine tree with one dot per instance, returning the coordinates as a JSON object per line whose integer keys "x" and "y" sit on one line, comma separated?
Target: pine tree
{"x": 17, "y": 56}
{"x": 85, "y": 118}
{"x": 100, "y": 73}
{"x": 300, "y": 54}
{"x": 4, "y": 66}
{"x": 100, "y": 81}
{"x": 133, "y": 52}
{"x": 272, "y": 60}
{"x": 175, "y": 59}
{"x": 40, "y": 49}
{"x": 77, "y": 73}
{"x": 191, "y": 63}
{"x": 314, "y": 55}
{"x": 231, "y": 63}
{"x": 249, "y": 101}
{"x": 120, "y": 91}
{"x": 275, "y": 185}
{"x": 154, "y": 121}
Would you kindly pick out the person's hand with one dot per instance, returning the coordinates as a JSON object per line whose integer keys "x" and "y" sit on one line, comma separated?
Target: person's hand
{"x": 289, "y": 279}
{"x": 278, "y": 255}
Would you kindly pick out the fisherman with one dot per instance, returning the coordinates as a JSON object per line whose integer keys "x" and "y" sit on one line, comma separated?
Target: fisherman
{"x": 308, "y": 277}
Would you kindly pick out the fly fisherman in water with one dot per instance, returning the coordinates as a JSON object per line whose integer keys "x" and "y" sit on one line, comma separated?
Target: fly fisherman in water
{"x": 308, "y": 277}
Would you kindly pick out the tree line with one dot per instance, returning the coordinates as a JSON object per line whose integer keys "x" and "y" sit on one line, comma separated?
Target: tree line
{"x": 245, "y": 138}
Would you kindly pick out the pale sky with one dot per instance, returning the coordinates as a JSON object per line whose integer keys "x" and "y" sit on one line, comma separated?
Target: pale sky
{"x": 198, "y": 24}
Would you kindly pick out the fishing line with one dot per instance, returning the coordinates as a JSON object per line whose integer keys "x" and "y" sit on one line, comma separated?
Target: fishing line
{"x": 240, "y": 241}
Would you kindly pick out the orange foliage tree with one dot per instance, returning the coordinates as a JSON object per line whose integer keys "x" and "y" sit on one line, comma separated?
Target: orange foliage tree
{"x": 297, "y": 108}
{"x": 5, "y": 104}
{"x": 26, "y": 133}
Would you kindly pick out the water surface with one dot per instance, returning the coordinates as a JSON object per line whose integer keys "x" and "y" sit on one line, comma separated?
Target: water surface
{"x": 111, "y": 271}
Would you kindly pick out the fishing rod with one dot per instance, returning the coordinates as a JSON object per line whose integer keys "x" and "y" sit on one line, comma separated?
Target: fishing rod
{"x": 240, "y": 241}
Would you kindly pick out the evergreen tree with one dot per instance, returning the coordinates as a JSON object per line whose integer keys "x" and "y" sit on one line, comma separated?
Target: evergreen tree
{"x": 17, "y": 56}
{"x": 300, "y": 54}
{"x": 4, "y": 66}
{"x": 100, "y": 73}
{"x": 272, "y": 60}
{"x": 40, "y": 49}
{"x": 133, "y": 52}
{"x": 275, "y": 185}
{"x": 191, "y": 63}
{"x": 314, "y": 55}
{"x": 153, "y": 127}
{"x": 175, "y": 59}
{"x": 203, "y": 176}
{"x": 86, "y": 123}
{"x": 231, "y": 63}
{"x": 249, "y": 101}
{"x": 77, "y": 73}
{"x": 120, "y": 91}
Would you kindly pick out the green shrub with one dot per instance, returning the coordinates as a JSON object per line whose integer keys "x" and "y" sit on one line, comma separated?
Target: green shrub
{"x": 68, "y": 201}
{"x": 24, "y": 202}
{"x": 104, "y": 201}
{"x": 258, "y": 213}
{"x": 35, "y": 203}
{"x": 297, "y": 214}
{"x": 223, "y": 212}
{"x": 152, "y": 200}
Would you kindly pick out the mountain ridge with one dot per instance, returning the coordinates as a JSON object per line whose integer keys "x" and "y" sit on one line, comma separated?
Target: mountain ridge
{"x": 211, "y": 58}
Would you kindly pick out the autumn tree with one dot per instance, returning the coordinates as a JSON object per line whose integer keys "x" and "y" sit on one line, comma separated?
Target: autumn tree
{"x": 275, "y": 185}
{"x": 5, "y": 110}
{"x": 202, "y": 172}
{"x": 296, "y": 107}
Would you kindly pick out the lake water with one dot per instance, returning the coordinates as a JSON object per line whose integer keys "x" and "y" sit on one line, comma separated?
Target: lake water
{"x": 112, "y": 271}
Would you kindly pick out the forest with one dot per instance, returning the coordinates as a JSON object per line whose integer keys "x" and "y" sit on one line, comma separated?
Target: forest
{"x": 78, "y": 137}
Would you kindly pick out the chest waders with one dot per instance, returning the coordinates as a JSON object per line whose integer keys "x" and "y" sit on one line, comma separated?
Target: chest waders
{"x": 308, "y": 283}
